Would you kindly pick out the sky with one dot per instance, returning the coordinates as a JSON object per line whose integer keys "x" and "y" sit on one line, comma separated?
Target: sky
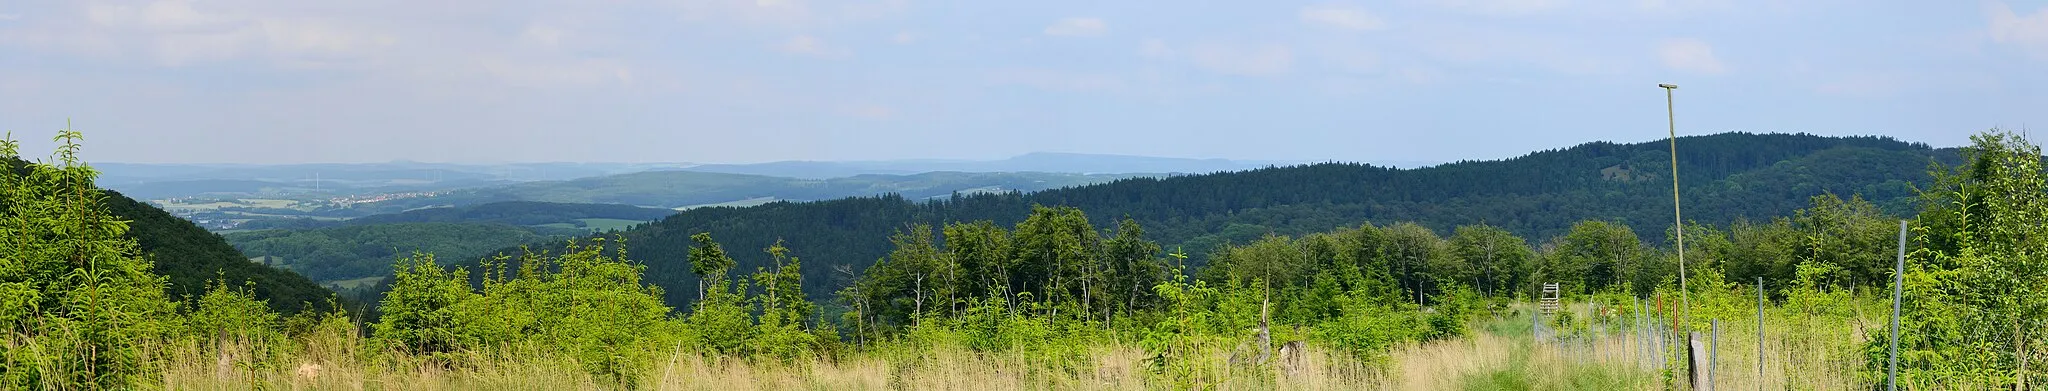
{"x": 262, "y": 81}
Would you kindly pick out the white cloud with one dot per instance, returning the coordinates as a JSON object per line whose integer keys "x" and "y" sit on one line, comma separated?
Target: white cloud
{"x": 580, "y": 73}
{"x": 1052, "y": 80}
{"x": 543, "y": 35}
{"x": 903, "y": 37}
{"x": 181, "y": 33}
{"x": 1077, "y": 27}
{"x": 1690, "y": 55}
{"x": 160, "y": 16}
{"x": 784, "y": 14}
{"x": 869, "y": 111}
{"x": 1243, "y": 60}
{"x": 1353, "y": 59}
{"x": 810, "y": 46}
{"x": 1342, "y": 17}
{"x": 9, "y": 16}
{"x": 2029, "y": 32}
{"x": 1501, "y": 7}
{"x": 1154, "y": 48}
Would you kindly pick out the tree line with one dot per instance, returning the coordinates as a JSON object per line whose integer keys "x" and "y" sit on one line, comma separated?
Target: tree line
{"x": 1731, "y": 179}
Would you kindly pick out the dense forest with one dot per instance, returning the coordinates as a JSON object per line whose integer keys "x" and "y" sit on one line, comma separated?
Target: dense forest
{"x": 349, "y": 255}
{"x": 1059, "y": 300}
{"x": 354, "y": 252}
{"x": 1732, "y": 178}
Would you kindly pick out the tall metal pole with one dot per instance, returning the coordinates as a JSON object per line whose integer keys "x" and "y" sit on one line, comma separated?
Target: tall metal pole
{"x": 1684, "y": 294}
{"x": 1898, "y": 293}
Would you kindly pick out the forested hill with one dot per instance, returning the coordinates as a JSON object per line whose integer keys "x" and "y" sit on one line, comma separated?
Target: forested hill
{"x": 1537, "y": 196}
{"x": 190, "y": 256}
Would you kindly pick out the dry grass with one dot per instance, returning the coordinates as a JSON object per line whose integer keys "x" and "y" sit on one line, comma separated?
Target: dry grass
{"x": 1113, "y": 367}
{"x": 1498, "y": 356}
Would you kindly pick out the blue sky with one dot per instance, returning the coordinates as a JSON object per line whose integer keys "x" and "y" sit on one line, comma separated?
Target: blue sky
{"x": 761, "y": 80}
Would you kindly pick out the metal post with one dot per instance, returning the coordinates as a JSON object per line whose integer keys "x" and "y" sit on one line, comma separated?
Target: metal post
{"x": 1898, "y": 293}
{"x": 1713, "y": 353}
{"x": 1759, "y": 333}
{"x": 1677, "y": 219}
{"x": 1636, "y": 309}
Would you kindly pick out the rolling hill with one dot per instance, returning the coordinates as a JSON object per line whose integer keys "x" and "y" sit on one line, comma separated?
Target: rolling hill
{"x": 1078, "y": 163}
{"x": 1725, "y": 177}
{"x": 686, "y": 189}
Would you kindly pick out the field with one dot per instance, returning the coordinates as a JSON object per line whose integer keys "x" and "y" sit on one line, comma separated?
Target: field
{"x": 345, "y": 285}
{"x": 595, "y": 224}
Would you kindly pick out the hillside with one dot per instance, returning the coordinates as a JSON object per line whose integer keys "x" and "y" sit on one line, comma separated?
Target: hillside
{"x": 190, "y": 256}
{"x": 1725, "y": 177}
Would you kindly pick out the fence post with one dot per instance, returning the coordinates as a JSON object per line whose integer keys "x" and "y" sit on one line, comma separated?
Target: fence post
{"x": 1695, "y": 362}
{"x": 1759, "y": 333}
{"x": 1713, "y": 353}
{"x": 1898, "y": 292}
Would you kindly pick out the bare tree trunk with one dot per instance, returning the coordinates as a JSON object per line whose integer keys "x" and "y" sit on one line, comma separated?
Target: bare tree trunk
{"x": 919, "y": 313}
{"x": 1087, "y": 296}
{"x": 1489, "y": 269}
{"x": 1265, "y": 327}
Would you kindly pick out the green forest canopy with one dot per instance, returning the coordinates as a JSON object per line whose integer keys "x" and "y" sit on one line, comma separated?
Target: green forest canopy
{"x": 1729, "y": 179}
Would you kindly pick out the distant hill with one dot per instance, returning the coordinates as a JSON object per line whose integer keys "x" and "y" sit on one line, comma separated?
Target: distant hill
{"x": 1725, "y": 177}
{"x": 686, "y": 189}
{"x": 1076, "y": 163}
{"x": 506, "y": 212}
{"x": 157, "y": 181}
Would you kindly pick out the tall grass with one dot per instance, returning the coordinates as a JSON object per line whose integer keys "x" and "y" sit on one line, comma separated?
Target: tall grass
{"x": 1499, "y": 355}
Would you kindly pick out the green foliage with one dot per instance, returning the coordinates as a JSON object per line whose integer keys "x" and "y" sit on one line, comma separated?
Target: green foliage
{"x": 420, "y": 311}
{"x": 233, "y": 314}
{"x": 781, "y": 332}
{"x": 76, "y": 302}
{"x": 1975, "y": 308}
{"x": 1597, "y": 255}
{"x": 582, "y": 304}
{"x": 1498, "y": 262}
{"x": 1368, "y": 329}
